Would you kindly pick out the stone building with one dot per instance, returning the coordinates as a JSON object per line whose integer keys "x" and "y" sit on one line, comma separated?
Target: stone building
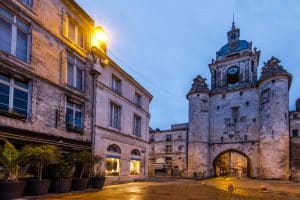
{"x": 45, "y": 90}
{"x": 295, "y": 141}
{"x": 122, "y": 124}
{"x": 240, "y": 126}
{"x": 168, "y": 151}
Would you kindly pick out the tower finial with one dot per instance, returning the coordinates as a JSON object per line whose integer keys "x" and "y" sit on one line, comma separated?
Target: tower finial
{"x": 233, "y": 25}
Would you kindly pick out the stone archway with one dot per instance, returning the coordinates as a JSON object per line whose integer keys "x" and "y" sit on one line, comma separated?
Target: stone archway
{"x": 232, "y": 162}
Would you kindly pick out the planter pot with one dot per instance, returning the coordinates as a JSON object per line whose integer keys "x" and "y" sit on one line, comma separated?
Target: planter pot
{"x": 80, "y": 183}
{"x": 61, "y": 185}
{"x": 36, "y": 187}
{"x": 97, "y": 182}
{"x": 11, "y": 190}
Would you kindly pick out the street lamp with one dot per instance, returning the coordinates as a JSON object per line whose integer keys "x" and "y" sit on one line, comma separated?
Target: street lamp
{"x": 99, "y": 44}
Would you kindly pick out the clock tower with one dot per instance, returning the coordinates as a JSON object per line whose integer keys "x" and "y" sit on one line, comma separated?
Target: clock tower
{"x": 235, "y": 65}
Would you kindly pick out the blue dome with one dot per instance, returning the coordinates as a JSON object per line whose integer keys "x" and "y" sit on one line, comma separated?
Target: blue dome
{"x": 225, "y": 50}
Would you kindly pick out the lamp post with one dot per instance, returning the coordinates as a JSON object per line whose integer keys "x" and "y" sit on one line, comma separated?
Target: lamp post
{"x": 98, "y": 50}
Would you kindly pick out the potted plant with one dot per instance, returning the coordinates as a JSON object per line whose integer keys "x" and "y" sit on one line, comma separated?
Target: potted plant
{"x": 11, "y": 187}
{"x": 64, "y": 170}
{"x": 84, "y": 159}
{"x": 40, "y": 157}
{"x": 98, "y": 178}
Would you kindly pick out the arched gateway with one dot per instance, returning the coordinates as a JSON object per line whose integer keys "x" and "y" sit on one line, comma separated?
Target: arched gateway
{"x": 232, "y": 163}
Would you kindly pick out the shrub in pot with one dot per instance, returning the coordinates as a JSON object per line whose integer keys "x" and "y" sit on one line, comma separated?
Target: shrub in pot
{"x": 40, "y": 157}
{"x": 85, "y": 159}
{"x": 10, "y": 187}
{"x": 64, "y": 170}
{"x": 98, "y": 178}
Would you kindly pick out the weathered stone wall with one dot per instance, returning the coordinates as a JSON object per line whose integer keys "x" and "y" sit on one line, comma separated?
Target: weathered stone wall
{"x": 47, "y": 70}
{"x": 295, "y": 145}
{"x": 198, "y": 149}
{"x": 274, "y": 130}
{"x": 123, "y": 137}
{"x": 158, "y": 151}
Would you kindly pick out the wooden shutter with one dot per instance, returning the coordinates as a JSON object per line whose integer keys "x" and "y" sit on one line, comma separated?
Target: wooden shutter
{"x": 65, "y": 22}
{"x": 64, "y": 66}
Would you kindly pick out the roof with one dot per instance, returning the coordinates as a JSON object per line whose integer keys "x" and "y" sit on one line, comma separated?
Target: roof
{"x": 226, "y": 50}
{"x": 129, "y": 77}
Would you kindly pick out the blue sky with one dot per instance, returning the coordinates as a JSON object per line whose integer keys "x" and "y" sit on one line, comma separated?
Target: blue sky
{"x": 164, "y": 44}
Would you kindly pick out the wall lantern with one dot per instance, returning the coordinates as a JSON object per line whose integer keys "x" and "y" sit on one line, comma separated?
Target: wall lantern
{"x": 99, "y": 43}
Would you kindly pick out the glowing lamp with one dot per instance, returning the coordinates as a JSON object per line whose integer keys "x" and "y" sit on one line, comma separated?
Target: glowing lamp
{"x": 99, "y": 38}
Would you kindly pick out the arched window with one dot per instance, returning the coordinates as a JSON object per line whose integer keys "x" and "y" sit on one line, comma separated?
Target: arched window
{"x": 135, "y": 152}
{"x": 114, "y": 148}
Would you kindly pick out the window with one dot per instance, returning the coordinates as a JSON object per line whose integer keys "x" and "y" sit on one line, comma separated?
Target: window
{"x": 74, "y": 117}
{"x": 113, "y": 161}
{"x": 116, "y": 85}
{"x": 152, "y": 138}
{"x": 76, "y": 34}
{"x": 169, "y": 137}
{"x": 27, "y": 2}
{"x": 112, "y": 166}
{"x": 14, "y": 96}
{"x": 295, "y": 133}
{"x": 168, "y": 148}
{"x": 135, "y": 163}
{"x": 14, "y": 36}
{"x": 135, "y": 167}
{"x": 235, "y": 111}
{"x": 115, "y": 116}
{"x": 295, "y": 116}
{"x": 180, "y": 148}
{"x": 137, "y": 125}
{"x": 75, "y": 72}
{"x": 137, "y": 99}
{"x": 265, "y": 96}
{"x": 114, "y": 148}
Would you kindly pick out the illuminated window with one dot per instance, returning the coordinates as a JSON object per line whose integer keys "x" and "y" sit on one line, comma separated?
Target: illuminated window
{"x": 135, "y": 167}
{"x": 135, "y": 163}
{"x": 112, "y": 166}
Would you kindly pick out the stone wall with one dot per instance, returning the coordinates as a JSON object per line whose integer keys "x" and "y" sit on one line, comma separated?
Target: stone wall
{"x": 124, "y": 137}
{"x": 177, "y": 165}
{"x": 47, "y": 70}
{"x": 295, "y": 145}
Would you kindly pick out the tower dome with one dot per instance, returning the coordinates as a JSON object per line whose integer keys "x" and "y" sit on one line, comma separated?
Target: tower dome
{"x": 234, "y": 44}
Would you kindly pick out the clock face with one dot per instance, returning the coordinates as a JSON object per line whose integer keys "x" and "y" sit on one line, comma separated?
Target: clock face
{"x": 233, "y": 75}
{"x": 233, "y": 70}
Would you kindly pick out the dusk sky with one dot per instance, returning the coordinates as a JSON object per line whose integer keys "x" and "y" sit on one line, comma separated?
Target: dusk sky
{"x": 164, "y": 44}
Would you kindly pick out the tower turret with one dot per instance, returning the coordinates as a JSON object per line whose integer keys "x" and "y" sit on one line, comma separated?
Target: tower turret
{"x": 198, "y": 146}
{"x": 273, "y": 91}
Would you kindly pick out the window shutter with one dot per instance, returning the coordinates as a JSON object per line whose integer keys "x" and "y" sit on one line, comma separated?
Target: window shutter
{"x": 64, "y": 64}
{"x": 65, "y": 24}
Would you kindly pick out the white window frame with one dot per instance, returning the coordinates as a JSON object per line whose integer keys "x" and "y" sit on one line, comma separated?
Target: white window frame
{"x": 112, "y": 114}
{"x": 138, "y": 99}
{"x": 137, "y": 128}
{"x": 116, "y": 84}
{"x": 75, "y": 72}
{"x": 13, "y": 48}
{"x": 12, "y": 86}
{"x": 74, "y": 109}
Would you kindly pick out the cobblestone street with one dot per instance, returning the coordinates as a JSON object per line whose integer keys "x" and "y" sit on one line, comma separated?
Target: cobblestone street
{"x": 183, "y": 189}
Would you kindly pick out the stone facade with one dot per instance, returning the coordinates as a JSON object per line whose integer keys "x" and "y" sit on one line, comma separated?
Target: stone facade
{"x": 295, "y": 141}
{"x": 241, "y": 118}
{"x": 122, "y": 122}
{"x": 240, "y": 113}
{"x": 168, "y": 151}
{"x": 37, "y": 57}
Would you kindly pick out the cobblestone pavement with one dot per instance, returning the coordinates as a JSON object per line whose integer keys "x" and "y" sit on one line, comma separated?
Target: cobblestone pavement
{"x": 180, "y": 189}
